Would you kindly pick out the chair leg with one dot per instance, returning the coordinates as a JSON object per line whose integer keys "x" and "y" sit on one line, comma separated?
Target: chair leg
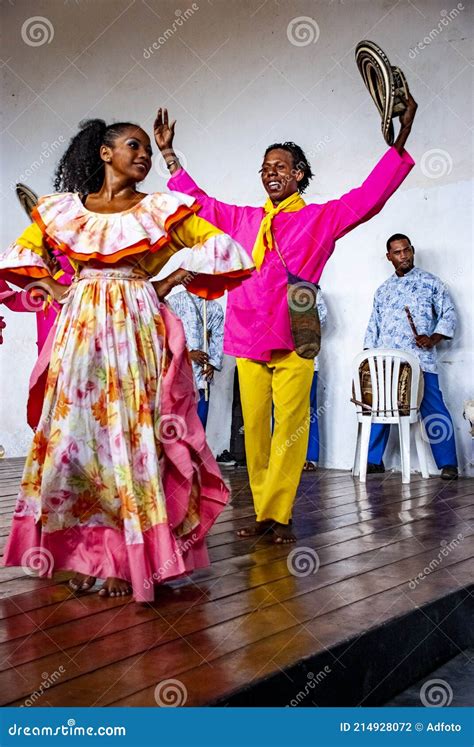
{"x": 355, "y": 469}
{"x": 421, "y": 449}
{"x": 364, "y": 448}
{"x": 404, "y": 434}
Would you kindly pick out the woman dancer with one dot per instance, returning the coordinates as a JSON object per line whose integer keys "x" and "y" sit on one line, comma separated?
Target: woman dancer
{"x": 119, "y": 482}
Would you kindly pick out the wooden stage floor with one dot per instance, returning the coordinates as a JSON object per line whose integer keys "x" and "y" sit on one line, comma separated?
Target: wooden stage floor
{"x": 253, "y": 629}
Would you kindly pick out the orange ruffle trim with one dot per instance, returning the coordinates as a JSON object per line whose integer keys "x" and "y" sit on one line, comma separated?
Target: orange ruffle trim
{"x": 142, "y": 246}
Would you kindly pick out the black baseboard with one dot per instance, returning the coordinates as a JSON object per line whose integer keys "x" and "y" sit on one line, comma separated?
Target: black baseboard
{"x": 371, "y": 668}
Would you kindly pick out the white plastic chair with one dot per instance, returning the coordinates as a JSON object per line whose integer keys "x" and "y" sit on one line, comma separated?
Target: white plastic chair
{"x": 384, "y": 366}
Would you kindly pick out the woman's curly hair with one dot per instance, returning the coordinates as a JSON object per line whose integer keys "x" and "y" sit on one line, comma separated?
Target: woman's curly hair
{"x": 300, "y": 162}
{"x": 81, "y": 168}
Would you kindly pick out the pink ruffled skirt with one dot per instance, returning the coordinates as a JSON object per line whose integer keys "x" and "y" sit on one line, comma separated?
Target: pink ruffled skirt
{"x": 119, "y": 480}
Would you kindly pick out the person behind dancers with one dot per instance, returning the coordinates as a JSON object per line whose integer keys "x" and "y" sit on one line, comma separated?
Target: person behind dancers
{"x": 285, "y": 231}
{"x": 434, "y": 318}
{"x": 312, "y": 454}
{"x": 190, "y": 309}
{"x": 119, "y": 482}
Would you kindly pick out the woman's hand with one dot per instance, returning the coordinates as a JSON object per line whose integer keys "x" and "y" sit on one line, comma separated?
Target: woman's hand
{"x": 52, "y": 262}
{"x": 57, "y": 291}
{"x": 41, "y": 289}
{"x": 163, "y": 131}
{"x": 164, "y": 136}
{"x": 164, "y": 286}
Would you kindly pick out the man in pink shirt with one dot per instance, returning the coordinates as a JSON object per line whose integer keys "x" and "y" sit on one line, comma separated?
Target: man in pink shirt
{"x": 257, "y": 327}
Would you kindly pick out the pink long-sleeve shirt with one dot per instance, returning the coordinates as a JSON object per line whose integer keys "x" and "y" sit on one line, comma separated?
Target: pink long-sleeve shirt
{"x": 257, "y": 318}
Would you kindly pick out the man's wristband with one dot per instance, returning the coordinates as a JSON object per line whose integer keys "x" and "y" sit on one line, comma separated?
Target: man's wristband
{"x": 170, "y": 163}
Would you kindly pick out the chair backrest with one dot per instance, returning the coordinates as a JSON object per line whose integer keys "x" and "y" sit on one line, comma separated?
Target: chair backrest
{"x": 384, "y": 367}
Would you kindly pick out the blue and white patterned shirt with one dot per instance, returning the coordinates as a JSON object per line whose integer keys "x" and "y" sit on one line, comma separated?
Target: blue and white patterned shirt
{"x": 323, "y": 315}
{"x": 189, "y": 308}
{"x": 430, "y": 305}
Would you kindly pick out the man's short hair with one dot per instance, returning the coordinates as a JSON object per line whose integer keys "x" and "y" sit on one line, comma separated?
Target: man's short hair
{"x": 397, "y": 237}
{"x": 300, "y": 161}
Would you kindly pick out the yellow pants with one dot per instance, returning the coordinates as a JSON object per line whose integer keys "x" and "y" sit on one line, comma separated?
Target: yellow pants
{"x": 275, "y": 462}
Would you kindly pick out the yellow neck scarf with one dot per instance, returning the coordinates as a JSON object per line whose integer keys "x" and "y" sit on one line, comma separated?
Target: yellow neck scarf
{"x": 264, "y": 238}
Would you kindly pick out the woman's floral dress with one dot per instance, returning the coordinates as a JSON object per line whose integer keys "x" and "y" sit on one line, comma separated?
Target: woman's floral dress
{"x": 119, "y": 480}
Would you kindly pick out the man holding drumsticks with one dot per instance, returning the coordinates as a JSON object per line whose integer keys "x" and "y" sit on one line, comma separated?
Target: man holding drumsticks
{"x": 413, "y": 311}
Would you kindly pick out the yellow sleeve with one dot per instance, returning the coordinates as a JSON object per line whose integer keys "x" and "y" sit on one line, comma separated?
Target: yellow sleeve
{"x": 26, "y": 258}
{"x": 194, "y": 230}
{"x": 188, "y": 233}
{"x": 32, "y": 239}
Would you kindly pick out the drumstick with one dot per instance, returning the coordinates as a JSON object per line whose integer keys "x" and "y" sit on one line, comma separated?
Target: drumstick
{"x": 410, "y": 321}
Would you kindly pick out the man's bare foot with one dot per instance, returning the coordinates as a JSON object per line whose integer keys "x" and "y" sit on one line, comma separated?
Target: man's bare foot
{"x": 259, "y": 528}
{"x": 81, "y": 582}
{"x": 115, "y": 587}
{"x": 283, "y": 534}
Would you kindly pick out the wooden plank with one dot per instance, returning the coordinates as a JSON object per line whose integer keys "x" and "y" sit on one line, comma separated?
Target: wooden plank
{"x": 368, "y": 538}
{"x": 82, "y": 625}
{"x": 311, "y": 518}
{"x": 46, "y": 596}
{"x": 343, "y": 532}
{"x": 254, "y": 638}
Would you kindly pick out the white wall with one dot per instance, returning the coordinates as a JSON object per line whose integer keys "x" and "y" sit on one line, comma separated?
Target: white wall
{"x": 235, "y": 82}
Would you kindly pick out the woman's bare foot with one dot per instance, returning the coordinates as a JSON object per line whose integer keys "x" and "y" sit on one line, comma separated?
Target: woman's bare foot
{"x": 115, "y": 587}
{"x": 259, "y": 528}
{"x": 81, "y": 582}
{"x": 283, "y": 534}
